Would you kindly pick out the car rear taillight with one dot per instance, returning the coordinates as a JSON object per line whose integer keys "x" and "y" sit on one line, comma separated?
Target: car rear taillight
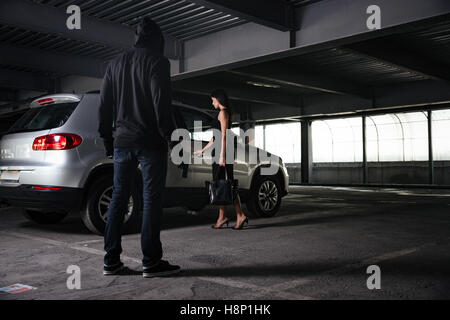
{"x": 57, "y": 141}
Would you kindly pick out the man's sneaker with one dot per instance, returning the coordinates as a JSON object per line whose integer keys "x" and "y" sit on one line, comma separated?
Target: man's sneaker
{"x": 113, "y": 269}
{"x": 163, "y": 268}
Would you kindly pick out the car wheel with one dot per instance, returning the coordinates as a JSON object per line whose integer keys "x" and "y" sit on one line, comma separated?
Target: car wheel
{"x": 94, "y": 212}
{"x": 265, "y": 196}
{"x": 44, "y": 217}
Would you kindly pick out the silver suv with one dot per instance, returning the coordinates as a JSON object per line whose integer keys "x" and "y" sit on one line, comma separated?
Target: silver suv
{"x": 52, "y": 162}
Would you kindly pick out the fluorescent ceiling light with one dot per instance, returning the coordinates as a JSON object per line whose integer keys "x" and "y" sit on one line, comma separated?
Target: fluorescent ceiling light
{"x": 265, "y": 85}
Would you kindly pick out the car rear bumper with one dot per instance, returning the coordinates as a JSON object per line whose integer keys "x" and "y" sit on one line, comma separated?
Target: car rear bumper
{"x": 26, "y": 197}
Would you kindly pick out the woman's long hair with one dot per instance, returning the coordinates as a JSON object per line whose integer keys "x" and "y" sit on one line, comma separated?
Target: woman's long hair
{"x": 223, "y": 99}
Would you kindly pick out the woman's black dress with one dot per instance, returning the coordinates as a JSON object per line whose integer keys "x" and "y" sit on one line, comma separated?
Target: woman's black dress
{"x": 215, "y": 166}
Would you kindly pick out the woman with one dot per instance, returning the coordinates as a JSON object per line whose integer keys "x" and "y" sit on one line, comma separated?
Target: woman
{"x": 220, "y": 102}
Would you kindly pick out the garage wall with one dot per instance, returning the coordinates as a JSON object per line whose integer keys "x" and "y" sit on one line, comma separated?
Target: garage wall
{"x": 174, "y": 67}
{"x": 27, "y": 94}
{"x": 242, "y": 42}
{"x": 379, "y": 173}
{"x": 79, "y": 84}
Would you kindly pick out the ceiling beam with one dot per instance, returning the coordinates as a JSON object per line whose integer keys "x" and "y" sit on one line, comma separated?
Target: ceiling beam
{"x": 270, "y": 13}
{"x": 287, "y": 75}
{"x": 50, "y": 20}
{"x": 203, "y": 101}
{"x": 51, "y": 62}
{"x": 248, "y": 94}
{"x": 330, "y": 24}
{"x": 404, "y": 58}
{"x": 407, "y": 97}
{"x": 25, "y": 80}
{"x": 344, "y": 21}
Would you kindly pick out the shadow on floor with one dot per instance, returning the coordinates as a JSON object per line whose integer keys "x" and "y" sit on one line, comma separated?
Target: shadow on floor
{"x": 178, "y": 218}
{"x": 397, "y": 267}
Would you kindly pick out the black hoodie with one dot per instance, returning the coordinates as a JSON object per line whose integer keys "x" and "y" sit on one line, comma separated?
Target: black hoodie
{"x": 136, "y": 95}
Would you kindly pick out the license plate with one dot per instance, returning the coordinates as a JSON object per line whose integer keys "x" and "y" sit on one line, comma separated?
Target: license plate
{"x": 11, "y": 175}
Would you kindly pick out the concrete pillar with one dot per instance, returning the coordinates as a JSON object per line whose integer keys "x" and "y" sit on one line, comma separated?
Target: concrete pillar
{"x": 249, "y": 124}
{"x": 182, "y": 60}
{"x": 264, "y": 137}
{"x": 306, "y": 146}
{"x": 430, "y": 148}
{"x": 364, "y": 140}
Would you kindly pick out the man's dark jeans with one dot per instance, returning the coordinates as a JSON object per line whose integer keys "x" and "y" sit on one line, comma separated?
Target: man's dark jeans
{"x": 154, "y": 169}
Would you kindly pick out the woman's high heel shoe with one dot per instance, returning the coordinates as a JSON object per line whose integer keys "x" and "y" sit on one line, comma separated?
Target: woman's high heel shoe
{"x": 242, "y": 224}
{"x": 220, "y": 227}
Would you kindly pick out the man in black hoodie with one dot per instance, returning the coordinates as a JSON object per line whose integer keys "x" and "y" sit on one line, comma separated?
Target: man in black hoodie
{"x": 136, "y": 98}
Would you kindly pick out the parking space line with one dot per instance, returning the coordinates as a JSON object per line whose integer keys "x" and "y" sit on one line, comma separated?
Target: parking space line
{"x": 67, "y": 245}
{"x": 412, "y": 194}
{"x": 365, "y": 263}
{"x": 89, "y": 241}
{"x": 44, "y": 240}
{"x": 377, "y": 259}
{"x": 283, "y": 287}
{"x": 392, "y": 201}
{"x": 277, "y": 289}
{"x": 290, "y": 284}
{"x": 295, "y": 200}
{"x": 261, "y": 290}
{"x": 293, "y": 196}
{"x": 217, "y": 280}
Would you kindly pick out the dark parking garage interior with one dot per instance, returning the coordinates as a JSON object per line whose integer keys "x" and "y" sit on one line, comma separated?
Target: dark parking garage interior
{"x": 360, "y": 117}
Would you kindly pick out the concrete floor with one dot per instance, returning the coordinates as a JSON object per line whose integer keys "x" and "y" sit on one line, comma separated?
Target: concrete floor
{"x": 318, "y": 247}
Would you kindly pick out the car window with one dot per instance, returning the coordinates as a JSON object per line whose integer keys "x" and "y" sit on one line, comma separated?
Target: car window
{"x": 201, "y": 132}
{"x": 43, "y": 118}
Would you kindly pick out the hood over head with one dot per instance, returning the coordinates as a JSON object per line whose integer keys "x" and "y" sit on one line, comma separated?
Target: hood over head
{"x": 149, "y": 35}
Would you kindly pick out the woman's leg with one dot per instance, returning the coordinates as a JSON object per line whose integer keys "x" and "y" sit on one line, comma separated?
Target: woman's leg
{"x": 222, "y": 216}
{"x": 240, "y": 216}
{"x": 222, "y": 219}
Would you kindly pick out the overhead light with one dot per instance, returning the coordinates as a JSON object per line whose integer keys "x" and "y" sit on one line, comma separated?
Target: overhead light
{"x": 264, "y": 85}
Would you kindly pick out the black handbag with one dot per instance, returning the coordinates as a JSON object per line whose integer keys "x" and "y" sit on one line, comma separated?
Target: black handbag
{"x": 222, "y": 191}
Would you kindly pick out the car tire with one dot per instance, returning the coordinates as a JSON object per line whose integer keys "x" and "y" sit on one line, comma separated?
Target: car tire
{"x": 44, "y": 217}
{"x": 269, "y": 205}
{"x": 93, "y": 212}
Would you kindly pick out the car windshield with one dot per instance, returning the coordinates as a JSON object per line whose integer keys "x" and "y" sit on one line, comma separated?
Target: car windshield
{"x": 43, "y": 118}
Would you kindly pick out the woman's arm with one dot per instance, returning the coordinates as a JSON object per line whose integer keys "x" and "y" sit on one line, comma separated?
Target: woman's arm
{"x": 223, "y": 118}
{"x": 198, "y": 152}
{"x": 208, "y": 145}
